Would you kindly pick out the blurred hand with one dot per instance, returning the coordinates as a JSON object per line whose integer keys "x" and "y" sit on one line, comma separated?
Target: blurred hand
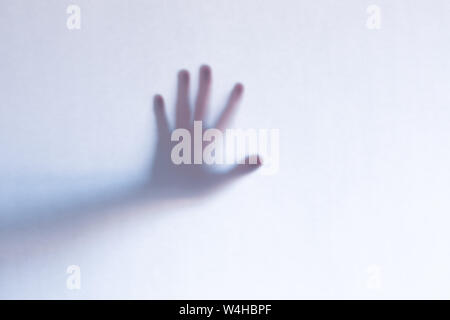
{"x": 187, "y": 180}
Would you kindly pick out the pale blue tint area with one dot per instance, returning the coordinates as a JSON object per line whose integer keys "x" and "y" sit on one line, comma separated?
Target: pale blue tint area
{"x": 364, "y": 178}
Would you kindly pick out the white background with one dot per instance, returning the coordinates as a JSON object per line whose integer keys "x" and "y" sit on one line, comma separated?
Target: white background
{"x": 364, "y": 175}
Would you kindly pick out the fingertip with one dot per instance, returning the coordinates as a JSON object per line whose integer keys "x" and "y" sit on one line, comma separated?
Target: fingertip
{"x": 158, "y": 101}
{"x": 158, "y": 98}
{"x": 205, "y": 71}
{"x": 254, "y": 164}
{"x": 183, "y": 75}
{"x": 239, "y": 88}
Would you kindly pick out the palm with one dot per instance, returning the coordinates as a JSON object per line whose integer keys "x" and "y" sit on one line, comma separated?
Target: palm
{"x": 173, "y": 180}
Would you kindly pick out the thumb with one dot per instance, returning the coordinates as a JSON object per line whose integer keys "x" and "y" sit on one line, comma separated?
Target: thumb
{"x": 244, "y": 168}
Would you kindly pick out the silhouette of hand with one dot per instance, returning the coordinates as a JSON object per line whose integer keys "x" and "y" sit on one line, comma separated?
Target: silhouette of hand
{"x": 187, "y": 180}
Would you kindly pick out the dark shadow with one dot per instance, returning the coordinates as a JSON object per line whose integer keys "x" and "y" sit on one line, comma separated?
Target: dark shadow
{"x": 162, "y": 186}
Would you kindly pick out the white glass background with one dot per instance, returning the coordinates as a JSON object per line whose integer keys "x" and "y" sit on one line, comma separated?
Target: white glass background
{"x": 359, "y": 208}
